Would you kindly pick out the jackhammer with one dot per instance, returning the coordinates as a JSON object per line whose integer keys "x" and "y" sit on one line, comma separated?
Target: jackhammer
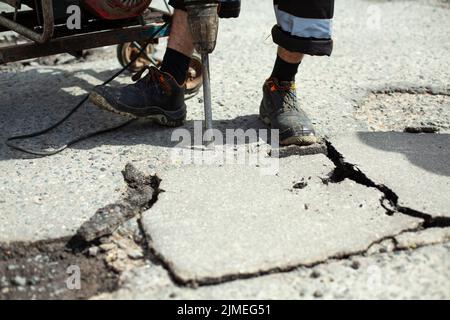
{"x": 203, "y": 17}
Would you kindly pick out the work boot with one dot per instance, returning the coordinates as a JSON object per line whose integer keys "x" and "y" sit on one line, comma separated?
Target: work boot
{"x": 156, "y": 96}
{"x": 280, "y": 110}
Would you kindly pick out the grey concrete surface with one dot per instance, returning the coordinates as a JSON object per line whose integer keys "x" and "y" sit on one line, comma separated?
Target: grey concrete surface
{"x": 415, "y": 166}
{"x": 405, "y": 48}
{"x": 419, "y": 274}
{"x": 213, "y": 222}
{"x": 380, "y": 46}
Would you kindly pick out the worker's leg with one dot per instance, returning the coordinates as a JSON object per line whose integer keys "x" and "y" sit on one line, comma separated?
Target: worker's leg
{"x": 180, "y": 47}
{"x": 180, "y": 38}
{"x": 303, "y": 27}
{"x": 160, "y": 94}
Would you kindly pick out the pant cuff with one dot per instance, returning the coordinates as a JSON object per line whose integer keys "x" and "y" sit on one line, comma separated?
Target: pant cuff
{"x": 309, "y": 46}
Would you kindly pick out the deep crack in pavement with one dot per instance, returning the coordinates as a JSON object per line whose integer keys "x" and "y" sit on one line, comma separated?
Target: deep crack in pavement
{"x": 343, "y": 170}
{"x": 39, "y": 270}
{"x": 350, "y": 171}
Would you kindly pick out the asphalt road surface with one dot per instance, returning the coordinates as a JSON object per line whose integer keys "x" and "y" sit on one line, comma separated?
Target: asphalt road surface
{"x": 368, "y": 219}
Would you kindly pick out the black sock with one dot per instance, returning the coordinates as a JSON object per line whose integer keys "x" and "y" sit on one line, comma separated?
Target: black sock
{"x": 284, "y": 71}
{"x": 176, "y": 64}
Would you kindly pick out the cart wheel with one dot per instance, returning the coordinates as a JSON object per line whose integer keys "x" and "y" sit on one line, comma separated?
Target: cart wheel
{"x": 194, "y": 80}
{"x": 128, "y": 51}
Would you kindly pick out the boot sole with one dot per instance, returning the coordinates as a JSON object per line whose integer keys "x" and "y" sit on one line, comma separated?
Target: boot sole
{"x": 160, "y": 118}
{"x": 297, "y": 140}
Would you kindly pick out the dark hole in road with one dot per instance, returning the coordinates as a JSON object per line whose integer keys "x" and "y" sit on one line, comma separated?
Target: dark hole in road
{"x": 65, "y": 268}
{"x": 52, "y": 270}
{"x": 413, "y": 110}
{"x": 300, "y": 185}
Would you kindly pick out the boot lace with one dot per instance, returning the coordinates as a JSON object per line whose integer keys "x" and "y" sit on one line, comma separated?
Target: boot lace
{"x": 288, "y": 94}
{"x": 154, "y": 79}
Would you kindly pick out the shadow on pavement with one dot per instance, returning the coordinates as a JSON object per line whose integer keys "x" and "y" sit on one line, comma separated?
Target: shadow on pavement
{"x": 35, "y": 99}
{"x": 430, "y": 152}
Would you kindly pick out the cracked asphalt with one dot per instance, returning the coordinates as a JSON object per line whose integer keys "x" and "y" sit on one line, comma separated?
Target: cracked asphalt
{"x": 371, "y": 219}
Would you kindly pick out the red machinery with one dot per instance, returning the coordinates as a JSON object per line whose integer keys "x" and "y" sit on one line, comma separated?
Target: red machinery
{"x": 127, "y": 23}
{"x": 116, "y": 9}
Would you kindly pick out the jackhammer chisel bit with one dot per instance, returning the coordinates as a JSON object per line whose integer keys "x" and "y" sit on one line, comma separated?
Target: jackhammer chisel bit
{"x": 204, "y": 24}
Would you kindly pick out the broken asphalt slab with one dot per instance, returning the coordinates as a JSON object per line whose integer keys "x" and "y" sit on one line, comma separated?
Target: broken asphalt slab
{"x": 50, "y": 198}
{"x": 292, "y": 150}
{"x": 410, "y": 274}
{"x": 213, "y": 224}
{"x": 141, "y": 192}
{"x": 415, "y": 167}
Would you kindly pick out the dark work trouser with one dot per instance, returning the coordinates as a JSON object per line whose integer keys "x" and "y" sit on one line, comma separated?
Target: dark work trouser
{"x": 302, "y": 25}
